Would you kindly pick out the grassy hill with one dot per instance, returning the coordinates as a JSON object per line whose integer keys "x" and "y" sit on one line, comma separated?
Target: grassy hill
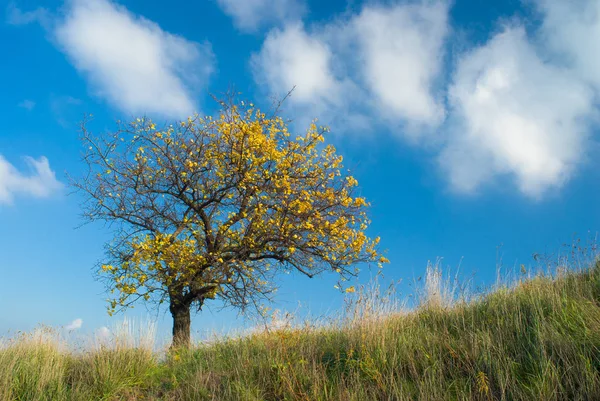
{"x": 539, "y": 340}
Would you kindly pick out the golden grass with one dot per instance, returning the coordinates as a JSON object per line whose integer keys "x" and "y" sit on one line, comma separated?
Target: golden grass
{"x": 537, "y": 340}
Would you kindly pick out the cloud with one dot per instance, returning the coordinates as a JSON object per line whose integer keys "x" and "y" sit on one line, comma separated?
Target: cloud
{"x": 571, "y": 30}
{"x": 15, "y": 16}
{"x": 402, "y": 51}
{"x": 131, "y": 61}
{"x": 41, "y": 183}
{"x": 250, "y": 15}
{"x": 291, "y": 57}
{"x": 514, "y": 113}
{"x": 27, "y": 104}
{"x": 74, "y": 325}
{"x": 103, "y": 333}
{"x": 383, "y": 62}
{"x": 521, "y": 106}
{"x": 526, "y": 105}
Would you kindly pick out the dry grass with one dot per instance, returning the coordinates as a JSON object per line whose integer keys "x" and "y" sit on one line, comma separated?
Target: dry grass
{"x": 537, "y": 339}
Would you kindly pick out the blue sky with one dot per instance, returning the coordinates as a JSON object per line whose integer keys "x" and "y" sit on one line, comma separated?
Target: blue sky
{"x": 469, "y": 125}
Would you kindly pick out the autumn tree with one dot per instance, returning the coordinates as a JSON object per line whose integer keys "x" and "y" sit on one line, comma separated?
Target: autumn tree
{"x": 214, "y": 208}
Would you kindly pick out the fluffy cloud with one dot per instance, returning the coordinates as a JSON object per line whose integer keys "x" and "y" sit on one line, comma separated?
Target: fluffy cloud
{"x": 309, "y": 62}
{"x": 74, "y": 325}
{"x": 571, "y": 30}
{"x": 402, "y": 50}
{"x": 514, "y": 114}
{"x": 249, "y": 15}
{"x": 524, "y": 105}
{"x": 40, "y": 183}
{"x": 517, "y": 106}
{"x": 131, "y": 61}
{"x": 103, "y": 333}
{"x": 383, "y": 62}
{"x": 291, "y": 57}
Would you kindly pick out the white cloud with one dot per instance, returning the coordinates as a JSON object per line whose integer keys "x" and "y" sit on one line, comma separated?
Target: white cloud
{"x": 74, "y": 325}
{"x": 40, "y": 183}
{"x": 519, "y": 106}
{"x": 103, "y": 333}
{"x": 525, "y": 105}
{"x": 27, "y": 104}
{"x": 15, "y": 16}
{"x": 402, "y": 50}
{"x": 571, "y": 29}
{"x": 514, "y": 113}
{"x": 131, "y": 61}
{"x": 291, "y": 57}
{"x": 250, "y": 15}
{"x": 353, "y": 71}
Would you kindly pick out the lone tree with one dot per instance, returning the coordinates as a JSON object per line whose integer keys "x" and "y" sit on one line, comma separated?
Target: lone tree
{"x": 215, "y": 208}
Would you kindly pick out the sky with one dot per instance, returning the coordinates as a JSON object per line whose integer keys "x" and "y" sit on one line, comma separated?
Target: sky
{"x": 471, "y": 127}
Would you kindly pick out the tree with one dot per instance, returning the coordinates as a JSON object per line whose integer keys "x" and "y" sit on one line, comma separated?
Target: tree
{"x": 215, "y": 208}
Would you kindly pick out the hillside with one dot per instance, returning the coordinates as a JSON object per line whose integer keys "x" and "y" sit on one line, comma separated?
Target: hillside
{"x": 539, "y": 340}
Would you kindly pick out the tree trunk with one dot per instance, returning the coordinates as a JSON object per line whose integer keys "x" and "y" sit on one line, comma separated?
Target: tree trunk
{"x": 181, "y": 324}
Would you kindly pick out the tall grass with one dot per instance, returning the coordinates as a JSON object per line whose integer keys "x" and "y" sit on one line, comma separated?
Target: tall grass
{"x": 538, "y": 339}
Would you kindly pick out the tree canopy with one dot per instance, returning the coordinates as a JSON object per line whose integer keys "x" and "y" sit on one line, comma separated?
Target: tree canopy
{"x": 216, "y": 207}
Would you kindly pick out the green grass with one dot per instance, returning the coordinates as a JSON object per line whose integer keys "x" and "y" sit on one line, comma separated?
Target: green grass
{"x": 539, "y": 340}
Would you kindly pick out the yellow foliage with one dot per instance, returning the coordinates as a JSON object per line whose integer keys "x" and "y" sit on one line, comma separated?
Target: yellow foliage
{"x": 225, "y": 198}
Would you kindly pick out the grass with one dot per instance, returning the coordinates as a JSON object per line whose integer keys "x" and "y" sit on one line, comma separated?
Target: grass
{"x": 536, "y": 340}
